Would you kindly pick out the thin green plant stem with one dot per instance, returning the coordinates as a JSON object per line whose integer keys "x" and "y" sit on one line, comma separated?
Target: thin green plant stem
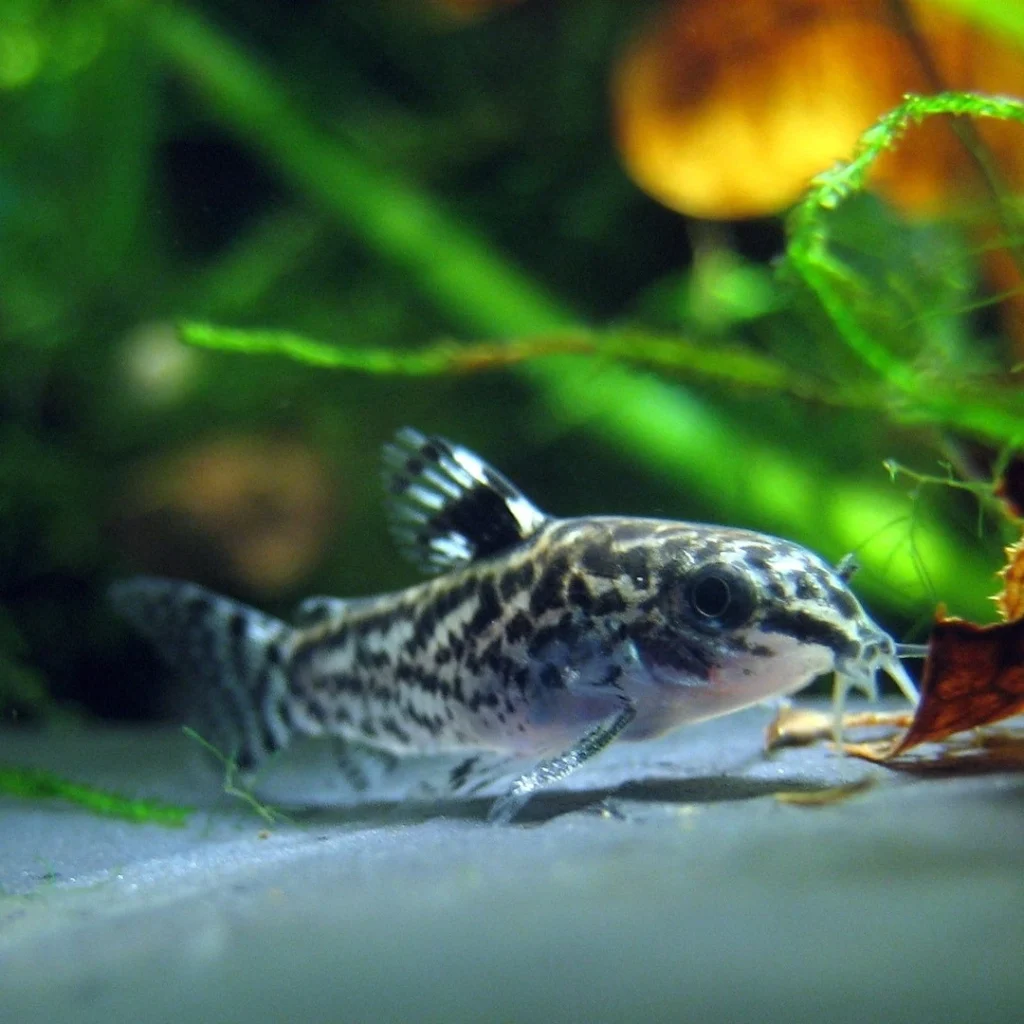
{"x": 232, "y": 787}
{"x": 724, "y": 364}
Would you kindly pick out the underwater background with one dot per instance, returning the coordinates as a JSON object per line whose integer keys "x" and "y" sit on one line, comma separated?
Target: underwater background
{"x": 241, "y": 244}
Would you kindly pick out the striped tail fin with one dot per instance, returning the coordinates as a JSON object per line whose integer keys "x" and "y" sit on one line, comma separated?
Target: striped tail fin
{"x": 230, "y": 657}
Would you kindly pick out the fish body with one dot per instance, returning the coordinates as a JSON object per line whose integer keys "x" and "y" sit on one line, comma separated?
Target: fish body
{"x": 537, "y": 643}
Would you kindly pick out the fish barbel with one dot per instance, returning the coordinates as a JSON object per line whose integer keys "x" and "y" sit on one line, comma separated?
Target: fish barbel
{"x": 537, "y": 642}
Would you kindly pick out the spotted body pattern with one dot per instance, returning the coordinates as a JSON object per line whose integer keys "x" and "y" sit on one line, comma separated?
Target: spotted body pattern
{"x": 540, "y": 641}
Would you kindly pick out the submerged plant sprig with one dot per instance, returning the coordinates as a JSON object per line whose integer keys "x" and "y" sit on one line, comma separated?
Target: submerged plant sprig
{"x": 231, "y": 787}
{"x": 833, "y": 186}
{"x": 994, "y": 414}
{"x": 729, "y": 364}
{"x": 36, "y": 784}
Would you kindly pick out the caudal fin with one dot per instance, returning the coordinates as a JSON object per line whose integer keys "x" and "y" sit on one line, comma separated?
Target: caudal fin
{"x": 229, "y": 657}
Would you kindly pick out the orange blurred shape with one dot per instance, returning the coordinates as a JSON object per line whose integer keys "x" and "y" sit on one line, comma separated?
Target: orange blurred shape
{"x": 233, "y": 511}
{"x": 727, "y": 110}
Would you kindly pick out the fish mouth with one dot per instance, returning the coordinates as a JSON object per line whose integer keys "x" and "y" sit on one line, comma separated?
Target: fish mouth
{"x": 861, "y": 673}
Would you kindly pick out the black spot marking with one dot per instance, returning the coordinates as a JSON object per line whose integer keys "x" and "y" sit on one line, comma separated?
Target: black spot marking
{"x": 429, "y": 723}
{"x": 354, "y": 774}
{"x": 547, "y": 594}
{"x": 611, "y": 602}
{"x": 458, "y": 646}
{"x": 346, "y": 682}
{"x": 521, "y": 679}
{"x": 519, "y": 628}
{"x": 844, "y": 602}
{"x": 542, "y": 641}
{"x": 373, "y": 661}
{"x": 758, "y": 556}
{"x": 245, "y": 760}
{"x": 579, "y": 594}
{"x": 515, "y": 580}
{"x": 425, "y": 624}
{"x": 597, "y": 559}
{"x": 483, "y": 699}
{"x": 491, "y": 656}
{"x": 667, "y": 649}
{"x": 569, "y": 629}
{"x": 551, "y": 678}
{"x": 283, "y": 709}
{"x": 489, "y": 609}
{"x": 809, "y": 630}
{"x": 461, "y": 771}
{"x": 636, "y": 567}
{"x": 389, "y": 724}
{"x": 269, "y": 741}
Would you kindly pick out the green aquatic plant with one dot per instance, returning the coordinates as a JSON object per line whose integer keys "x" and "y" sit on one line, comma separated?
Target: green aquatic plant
{"x": 985, "y": 408}
{"x": 36, "y": 784}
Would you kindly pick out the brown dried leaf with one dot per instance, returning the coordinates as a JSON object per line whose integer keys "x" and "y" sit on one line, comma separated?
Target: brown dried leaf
{"x": 1010, "y": 601}
{"x": 877, "y": 751}
{"x": 974, "y": 675}
{"x": 976, "y": 753}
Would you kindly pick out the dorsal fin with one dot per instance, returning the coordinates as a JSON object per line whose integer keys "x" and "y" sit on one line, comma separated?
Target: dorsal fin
{"x": 447, "y": 507}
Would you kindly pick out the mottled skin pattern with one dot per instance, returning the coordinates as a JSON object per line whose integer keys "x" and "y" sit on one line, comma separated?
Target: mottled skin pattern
{"x": 543, "y": 641}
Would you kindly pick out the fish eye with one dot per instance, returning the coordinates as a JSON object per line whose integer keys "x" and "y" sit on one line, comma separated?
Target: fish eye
{"x": 721, "y": 596}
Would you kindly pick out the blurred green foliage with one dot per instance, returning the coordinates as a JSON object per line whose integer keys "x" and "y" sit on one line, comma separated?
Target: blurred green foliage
{"x": 368, "y": 178}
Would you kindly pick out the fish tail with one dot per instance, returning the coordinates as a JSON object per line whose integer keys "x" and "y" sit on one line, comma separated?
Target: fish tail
{"x": 231, "y": 659}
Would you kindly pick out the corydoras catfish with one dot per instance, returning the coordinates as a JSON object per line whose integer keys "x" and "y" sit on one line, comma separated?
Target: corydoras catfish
{"x": 536, "y": 643}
